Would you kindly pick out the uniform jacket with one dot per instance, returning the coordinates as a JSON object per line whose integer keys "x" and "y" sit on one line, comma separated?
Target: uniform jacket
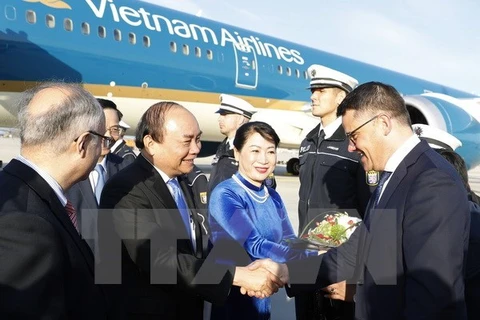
{"x": 156, "y": 247}
{"x": 224, "y": 165}
{"x": 410, "y": 263}
{"x": 330, "y": 177}
{"x": 47, "y": 270}
{"x": 125, "y": 152}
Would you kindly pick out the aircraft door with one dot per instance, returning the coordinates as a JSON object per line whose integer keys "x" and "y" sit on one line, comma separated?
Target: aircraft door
{"x": 246, "y": 71}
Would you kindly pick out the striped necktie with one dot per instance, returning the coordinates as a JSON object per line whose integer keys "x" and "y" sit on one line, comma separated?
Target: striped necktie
{"x": 72, "y": 214}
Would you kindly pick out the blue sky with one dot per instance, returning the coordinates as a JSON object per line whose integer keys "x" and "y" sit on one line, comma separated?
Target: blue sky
{"x": 433, "y": 40}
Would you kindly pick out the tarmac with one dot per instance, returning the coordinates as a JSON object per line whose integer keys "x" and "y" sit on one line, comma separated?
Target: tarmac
{"x": 283, "y": 308}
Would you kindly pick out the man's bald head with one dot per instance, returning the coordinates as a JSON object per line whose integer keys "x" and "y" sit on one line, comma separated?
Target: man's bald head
{"x": 52, "y": 115}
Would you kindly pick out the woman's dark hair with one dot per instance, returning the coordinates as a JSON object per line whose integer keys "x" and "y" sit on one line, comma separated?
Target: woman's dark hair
{"x": 459, "y": 164}
{"x": 249, "y": 128}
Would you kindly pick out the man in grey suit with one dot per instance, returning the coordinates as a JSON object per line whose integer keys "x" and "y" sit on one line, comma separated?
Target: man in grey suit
{"x": 408, "y": 255}
{"x": 47, "y": 271}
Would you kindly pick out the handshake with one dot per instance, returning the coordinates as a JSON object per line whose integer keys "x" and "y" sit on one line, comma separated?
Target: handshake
{"x": 261, "y": 278}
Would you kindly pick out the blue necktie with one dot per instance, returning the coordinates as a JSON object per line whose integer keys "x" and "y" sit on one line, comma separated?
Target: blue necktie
{"x": 375, "y": 197}
{"x": 181, "y": 203}
{"x": 100, "y": 181}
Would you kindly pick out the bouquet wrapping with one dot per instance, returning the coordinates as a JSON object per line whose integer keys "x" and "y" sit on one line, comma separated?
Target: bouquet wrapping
{"x": 327, "y": 230}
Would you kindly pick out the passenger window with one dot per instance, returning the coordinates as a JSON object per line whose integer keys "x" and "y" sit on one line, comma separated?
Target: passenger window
{"x": 132, "y": 38}
{"x": 209, "y": 54}
{"x": 173, "y": 46}
{"x": 186, "y": 49}
{"x": 10, "y": 13}
{"x": 102, "y": 32}
{"x": 68, "y": 24}
{"x": 117, "y": 35}
{"x": 297, "y": 73}
{"x": 280, "y": 69}
{"x": 146, "y": 41}
{"x": 305, "y": 74}
{"x": 289, "y": 71}
{"x": 198, "y": 52}
{"x": 31, "y": 17}
{"x": 85, "y": 28}
{"x": 50, "y": 21}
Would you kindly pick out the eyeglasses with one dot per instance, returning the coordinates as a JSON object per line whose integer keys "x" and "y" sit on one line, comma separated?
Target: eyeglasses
{"x": 350, "y": 135}
{"x": 106, "y": 141}
{"x": 115, "y": 130}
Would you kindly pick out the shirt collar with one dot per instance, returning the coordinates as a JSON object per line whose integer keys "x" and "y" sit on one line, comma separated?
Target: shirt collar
{"x": 164, "y": 176}
{"x": 230, "y": 143}
{"x": 48, "y": 178}
{"x": 331, "y": 128}
{"x": 401, "y": 153}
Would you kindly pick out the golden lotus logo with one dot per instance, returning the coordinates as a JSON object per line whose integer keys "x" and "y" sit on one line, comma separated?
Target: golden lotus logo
{"x": 57, "y": 4}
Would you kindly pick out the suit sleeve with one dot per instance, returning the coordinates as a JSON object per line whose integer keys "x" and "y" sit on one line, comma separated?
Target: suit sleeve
{"x": 336, "y": 265}
{"x": 31, "y": 268}
{"x": 435, "y": 223}
{"x": 156, "y": 246}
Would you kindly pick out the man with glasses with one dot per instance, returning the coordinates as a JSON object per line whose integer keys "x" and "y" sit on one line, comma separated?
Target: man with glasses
{"x": 331, "y": 178}
{"x": 47, "y": 270}
{"x": 120, "y": 147}
{"x": 408, "y": 257}
{"x": 85, "y": 195}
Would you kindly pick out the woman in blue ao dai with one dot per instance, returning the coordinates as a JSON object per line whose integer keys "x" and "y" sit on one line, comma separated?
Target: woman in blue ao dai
{"x": 248, "y": 220}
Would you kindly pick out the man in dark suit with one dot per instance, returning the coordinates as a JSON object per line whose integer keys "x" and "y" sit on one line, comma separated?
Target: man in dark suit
{"x": 408, "y": 256}
{"x": 47, "y": 270}
{"x": 85, "y": 195}
{"x": 165, "y": 270}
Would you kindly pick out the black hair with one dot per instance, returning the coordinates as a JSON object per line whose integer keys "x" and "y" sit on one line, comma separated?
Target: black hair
{"x": 247, "y": 129}
{"x": 375, "y": 97}
{"x": 153, "y": 121}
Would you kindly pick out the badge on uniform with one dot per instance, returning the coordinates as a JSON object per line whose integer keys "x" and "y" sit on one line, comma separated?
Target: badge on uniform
{"x": 372, "y": 177}
{"x": 203, "y": 197}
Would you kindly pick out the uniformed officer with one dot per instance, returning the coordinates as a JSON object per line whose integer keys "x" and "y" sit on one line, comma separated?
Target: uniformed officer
{"x": 233, "y": 113}
{"x": 331, "y": 177}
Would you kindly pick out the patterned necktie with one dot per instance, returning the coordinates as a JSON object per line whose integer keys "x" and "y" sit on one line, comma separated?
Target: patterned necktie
{"x": 72, "y": 214}
{"x": 181, "y": 203}
{"x": 100, "y": 181}
{"x": 372, "y": 204}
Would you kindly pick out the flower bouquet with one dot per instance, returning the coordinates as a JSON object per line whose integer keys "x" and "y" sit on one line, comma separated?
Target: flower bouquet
{"x": 327, "y": 230}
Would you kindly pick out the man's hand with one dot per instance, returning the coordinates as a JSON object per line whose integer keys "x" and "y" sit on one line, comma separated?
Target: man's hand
{"x": 278, "y": 269}
{"x": 258, "y": 282}
{"x": 278, "y": 274}
{"x": 340, "y": 291}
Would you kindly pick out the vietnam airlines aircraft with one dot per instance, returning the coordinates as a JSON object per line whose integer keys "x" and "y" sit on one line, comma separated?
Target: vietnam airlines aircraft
{"x": 136, "y": 54}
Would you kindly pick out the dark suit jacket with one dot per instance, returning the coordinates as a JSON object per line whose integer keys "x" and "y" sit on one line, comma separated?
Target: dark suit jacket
{"x": 410, "y": 264}
{"x": 46, "y": 269}
{"x": 156, "y": 247}
{"x": 83, "y": 199}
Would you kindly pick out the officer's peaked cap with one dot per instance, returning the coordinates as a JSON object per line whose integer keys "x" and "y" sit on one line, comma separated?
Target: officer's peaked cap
{"x": 323, "y": 77}
{"x": 436, "y": 138}
{"x": 231, "y": 104}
